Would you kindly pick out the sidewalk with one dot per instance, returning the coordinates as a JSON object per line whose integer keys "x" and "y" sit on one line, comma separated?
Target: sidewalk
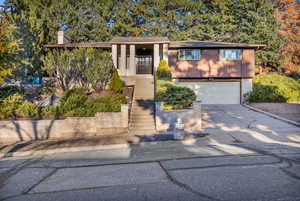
{"x": 45, "y": 147}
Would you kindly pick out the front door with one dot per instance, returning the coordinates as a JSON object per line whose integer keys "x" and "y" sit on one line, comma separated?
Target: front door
{"x": 144, "y": 64}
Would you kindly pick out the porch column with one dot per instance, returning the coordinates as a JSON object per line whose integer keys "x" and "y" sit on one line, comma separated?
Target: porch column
{"x": 122, "y": 64}
{"x": 156, "y": 56}
{"x": 114, "y": 54}
{"x": 165, "y": 52}
{"x": 132, "y": 67}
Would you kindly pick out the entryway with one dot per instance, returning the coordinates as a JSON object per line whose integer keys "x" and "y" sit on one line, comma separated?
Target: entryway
{"x": 144, "y": 59}
{"x": 142, "y": 121}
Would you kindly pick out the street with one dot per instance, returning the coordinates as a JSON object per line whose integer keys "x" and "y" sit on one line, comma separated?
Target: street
{"x": 158, "y": 171}
{"x": 246, "y": 156}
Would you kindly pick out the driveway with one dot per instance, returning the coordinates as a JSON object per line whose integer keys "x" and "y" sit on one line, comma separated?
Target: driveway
{"x": 245, "y": 125}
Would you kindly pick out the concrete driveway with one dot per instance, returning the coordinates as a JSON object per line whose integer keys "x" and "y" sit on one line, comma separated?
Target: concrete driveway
{"x": 244, "y": 125}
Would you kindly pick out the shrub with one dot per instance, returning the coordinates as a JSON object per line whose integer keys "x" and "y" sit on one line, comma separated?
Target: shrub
{"x": 274, "y": 88}
{"x": 173, "y": 95}
{"x": 80, "y": 67}
{"x": 75, "y": 102}
{"x": 10, "y": 90}
{"x": 52, "y": 112}
{"x": 99, "y": 68}
{"x": 9, "y": 106}
{"x": 59, "y": 64}
{"x": 27, "y": 109}
{"x": 41, "y": 91}
{"x": 73, "y": 99}
{"x": 116, "y": 83}
{"x": 163, "y": 71}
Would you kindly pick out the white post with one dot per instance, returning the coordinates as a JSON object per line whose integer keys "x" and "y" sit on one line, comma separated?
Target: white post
{"x": 156, "y": 56}
{"x": 132, "y": 67}
{"x": 122, "y": 64}
{"x": 165, "y": 52}
{"x": 246, "y": 86}
{"x": 61, "y": 39}
{"x": 114, "y": 52}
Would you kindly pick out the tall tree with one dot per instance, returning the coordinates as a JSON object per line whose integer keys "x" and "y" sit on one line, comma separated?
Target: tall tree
{"x": 250, "y": 21}
{"x": 288, "y": 12}
{"x": 8, "y": 46}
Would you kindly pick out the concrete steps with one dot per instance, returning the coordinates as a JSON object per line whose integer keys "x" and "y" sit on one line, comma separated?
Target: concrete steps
{"x": 142, "y": 120}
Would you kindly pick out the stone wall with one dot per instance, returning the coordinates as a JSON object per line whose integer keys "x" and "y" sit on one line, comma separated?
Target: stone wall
{"x": 166, "y": 120}
{"x": 102, "y": 123}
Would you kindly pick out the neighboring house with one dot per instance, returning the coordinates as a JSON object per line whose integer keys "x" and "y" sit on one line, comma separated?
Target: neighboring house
{"x": 219, "y": 73}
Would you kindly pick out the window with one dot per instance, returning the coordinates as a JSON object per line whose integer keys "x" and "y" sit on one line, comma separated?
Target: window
{"x": 231, "y": 54}
{"x": 189, "y": 54}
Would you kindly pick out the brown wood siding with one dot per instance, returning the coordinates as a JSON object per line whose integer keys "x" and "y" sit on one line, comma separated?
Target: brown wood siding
{"x": 211, "y": 66}
{"x": 248, "y": 65}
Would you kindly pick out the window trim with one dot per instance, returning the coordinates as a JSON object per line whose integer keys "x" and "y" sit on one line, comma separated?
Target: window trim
{"x": 180, "y": 59}
{"x": 241, "y": 54}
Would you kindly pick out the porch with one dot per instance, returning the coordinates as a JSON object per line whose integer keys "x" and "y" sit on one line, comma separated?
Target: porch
{"x": 138, "y": 55}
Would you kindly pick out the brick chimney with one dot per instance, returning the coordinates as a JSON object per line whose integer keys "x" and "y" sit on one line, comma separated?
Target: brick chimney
{"x": 61, "y": 38}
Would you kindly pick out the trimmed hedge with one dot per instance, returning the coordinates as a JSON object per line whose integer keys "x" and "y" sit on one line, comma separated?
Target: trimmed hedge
{"x": 173, "y": 95}
{"x": 274, "y": 88}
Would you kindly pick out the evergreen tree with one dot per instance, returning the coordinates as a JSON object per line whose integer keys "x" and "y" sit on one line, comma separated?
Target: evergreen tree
{"x": 249, "y": 21}
{"x": 8, "y": 46}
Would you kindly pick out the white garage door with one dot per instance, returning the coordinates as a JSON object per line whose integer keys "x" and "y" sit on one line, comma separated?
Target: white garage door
{"x": 215, "y": 92}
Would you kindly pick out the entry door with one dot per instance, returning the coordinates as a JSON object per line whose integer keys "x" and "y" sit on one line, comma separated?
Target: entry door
{"x": 144, "y": 64}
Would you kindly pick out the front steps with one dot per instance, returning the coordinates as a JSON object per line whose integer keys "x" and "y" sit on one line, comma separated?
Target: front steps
{"x": 142, "y": 121}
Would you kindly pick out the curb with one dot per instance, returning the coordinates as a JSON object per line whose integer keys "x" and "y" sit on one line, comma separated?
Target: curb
{"x": 272, "y": 115}
{"x": 64, "y": 150}
{"x": 147, "y": 140}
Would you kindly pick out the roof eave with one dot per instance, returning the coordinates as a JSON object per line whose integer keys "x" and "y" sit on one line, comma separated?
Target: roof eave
{"x": 72, "y": 45}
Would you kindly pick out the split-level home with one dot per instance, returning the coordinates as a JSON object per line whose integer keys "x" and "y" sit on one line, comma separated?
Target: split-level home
{"x": 218, "y": 72}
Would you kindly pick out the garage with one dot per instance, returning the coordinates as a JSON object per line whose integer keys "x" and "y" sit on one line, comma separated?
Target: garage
{"x": 215, "y": 92}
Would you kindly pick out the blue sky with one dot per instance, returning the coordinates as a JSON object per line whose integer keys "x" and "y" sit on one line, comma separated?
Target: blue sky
{"x": 1, "y": 2}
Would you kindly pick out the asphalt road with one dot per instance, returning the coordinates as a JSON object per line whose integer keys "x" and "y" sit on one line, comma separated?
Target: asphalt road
{"x": 247, "y": 157}
{"x": 157, "y": 171}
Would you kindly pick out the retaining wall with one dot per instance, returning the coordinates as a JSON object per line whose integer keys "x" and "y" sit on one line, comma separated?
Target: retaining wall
{"x": 102, "y": 123}
{"x": 166, "y": 120}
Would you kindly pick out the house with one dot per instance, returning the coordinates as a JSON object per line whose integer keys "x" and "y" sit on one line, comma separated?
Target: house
{"x": 218, "y": 72}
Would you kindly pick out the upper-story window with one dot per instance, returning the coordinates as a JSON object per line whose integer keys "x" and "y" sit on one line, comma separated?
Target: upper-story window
{"x": 189, "y": 54}
{"x": 231, "y": 54}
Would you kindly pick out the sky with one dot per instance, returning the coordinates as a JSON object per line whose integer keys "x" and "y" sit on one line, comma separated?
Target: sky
{"x": 1, "y": 2}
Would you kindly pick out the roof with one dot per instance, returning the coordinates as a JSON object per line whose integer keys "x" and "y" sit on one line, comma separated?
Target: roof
{"x": 183, "y": 44}
{"x": 90, "y": 44}
{"x": 139, "y": 40}
{"x": 152, "y": 40}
